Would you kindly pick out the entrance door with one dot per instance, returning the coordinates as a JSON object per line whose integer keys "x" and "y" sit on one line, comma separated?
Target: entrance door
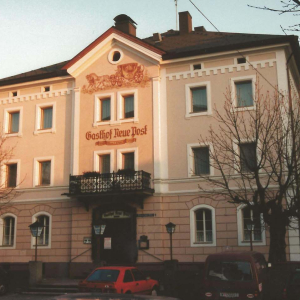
{"x": 118, "y": 243}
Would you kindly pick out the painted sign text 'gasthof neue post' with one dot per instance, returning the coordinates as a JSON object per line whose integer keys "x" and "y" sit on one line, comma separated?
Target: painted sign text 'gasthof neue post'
{"x": 107, "y": 135}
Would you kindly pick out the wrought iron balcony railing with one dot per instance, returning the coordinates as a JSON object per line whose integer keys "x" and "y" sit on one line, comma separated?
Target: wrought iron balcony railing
{"x": 116, "y": 182}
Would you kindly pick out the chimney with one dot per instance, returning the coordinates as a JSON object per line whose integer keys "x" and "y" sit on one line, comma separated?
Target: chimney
{"x": 125, "y": 24}
{"x": 157, "y": 37}
{"x": 185, "y": 22}
{"x": 200, "y": 29}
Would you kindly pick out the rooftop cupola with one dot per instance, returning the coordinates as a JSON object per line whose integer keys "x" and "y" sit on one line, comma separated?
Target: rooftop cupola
{"x": 126, "y": 24}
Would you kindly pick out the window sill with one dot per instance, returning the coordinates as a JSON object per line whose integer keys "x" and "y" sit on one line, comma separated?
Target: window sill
{"x": 41, "y": 247}
{"x": 17, "y": 134}
{"x": 39, "y": 131}
{"x": 43, "y": 185}
{"x": 129, "y": 120}
{"x": 7, "y": 247}
{"x": 244, "y": 108}
{"x": 197, "y": 114}
{"x": 210, "y": 244}
{"x": 101, "y": 123}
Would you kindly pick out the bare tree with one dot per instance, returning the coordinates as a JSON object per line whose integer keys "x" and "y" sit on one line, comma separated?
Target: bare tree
{"x": 286, "y": 7}
{"x": 7, "y": 191}
{"x": 255, "y": 152}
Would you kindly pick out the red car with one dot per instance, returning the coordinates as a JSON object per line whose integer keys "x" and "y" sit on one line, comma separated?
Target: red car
{"x": 121, "y": 280}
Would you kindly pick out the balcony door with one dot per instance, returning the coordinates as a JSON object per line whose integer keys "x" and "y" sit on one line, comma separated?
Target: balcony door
{"x": 118, "y": 243}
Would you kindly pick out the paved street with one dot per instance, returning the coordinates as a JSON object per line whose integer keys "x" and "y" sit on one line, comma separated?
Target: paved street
{"x": 11, "y": 296}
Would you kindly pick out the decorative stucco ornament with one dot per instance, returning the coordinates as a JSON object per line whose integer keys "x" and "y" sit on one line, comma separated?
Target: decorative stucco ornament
{"x": 127, "y": 75}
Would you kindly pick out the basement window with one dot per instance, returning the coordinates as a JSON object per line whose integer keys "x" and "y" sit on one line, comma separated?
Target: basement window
{"x": 197, "y": 67}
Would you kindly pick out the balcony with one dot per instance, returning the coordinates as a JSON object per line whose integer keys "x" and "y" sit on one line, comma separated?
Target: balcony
{"x": 121, "y": 183}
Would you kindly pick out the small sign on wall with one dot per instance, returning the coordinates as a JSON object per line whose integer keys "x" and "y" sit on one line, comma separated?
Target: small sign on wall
{"x": 87, "y": 240}
{"x": 107, "y": 243}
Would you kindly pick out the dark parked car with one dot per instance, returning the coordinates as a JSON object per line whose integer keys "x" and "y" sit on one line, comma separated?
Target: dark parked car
{"x": 292, "y": 288}
{"x": 4, "y": 280}
{"x": 97, "y": 296}
{"x": 121, "y": 280}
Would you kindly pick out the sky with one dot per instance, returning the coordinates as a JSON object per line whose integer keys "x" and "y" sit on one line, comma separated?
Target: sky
{"x": 38, "y": 33}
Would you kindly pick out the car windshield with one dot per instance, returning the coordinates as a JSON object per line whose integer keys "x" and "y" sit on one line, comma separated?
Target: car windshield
{"x": 229, "y": 271}
{"x": 104, "y": 275}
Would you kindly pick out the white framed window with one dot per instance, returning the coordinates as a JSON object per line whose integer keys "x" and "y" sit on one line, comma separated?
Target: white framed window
{"x": 45, "y": 118}
{"x": 11, "y": 173}
{"x": 245, "y": 216}
{"x": 127, "y": 106}
{"x": 203, "y": 226}
{"x": 13, "y": 120}
{"x": 43, "y": 171}
{"x": 104, "y": 161}
{"x": 127, "y": 159}
{"x": 14, "y": 94}
{"x": 243, "y": 92}
{"x": 8, "y": 230}
{"x": 198, "y": 158}
{"x": 104, "y": 109}
{"x": 198, "y": 99}
{"x": 44, "y": 240}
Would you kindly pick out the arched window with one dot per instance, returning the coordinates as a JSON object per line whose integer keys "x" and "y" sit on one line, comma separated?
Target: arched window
{"x": 246, "y": 217}
{"x": 203, "y": 232}
{"x": 8, "y": 230}
{"x": 44, "y": 240}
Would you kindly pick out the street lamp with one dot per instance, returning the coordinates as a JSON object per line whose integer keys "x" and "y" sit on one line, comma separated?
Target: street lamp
{"x": 170, "y": 229}
{"x": 250, "y": 228}
{"x": 36, "y": 229}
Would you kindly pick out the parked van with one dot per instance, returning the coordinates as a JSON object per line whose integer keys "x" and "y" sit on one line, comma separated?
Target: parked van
{"x": 234, "y": 275}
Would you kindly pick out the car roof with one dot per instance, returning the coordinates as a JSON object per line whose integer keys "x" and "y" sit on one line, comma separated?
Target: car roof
{"x": 115, "y": 268}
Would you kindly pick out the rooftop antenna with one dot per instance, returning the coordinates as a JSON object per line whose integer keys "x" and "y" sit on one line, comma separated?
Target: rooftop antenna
{"x": 176, "y": 14}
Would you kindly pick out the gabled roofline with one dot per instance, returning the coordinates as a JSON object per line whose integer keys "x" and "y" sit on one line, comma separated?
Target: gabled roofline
{"x": 102, "y": 38}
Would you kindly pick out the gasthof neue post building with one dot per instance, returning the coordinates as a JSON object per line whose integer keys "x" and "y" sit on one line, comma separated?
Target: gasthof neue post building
{"x": 125, "y": 104}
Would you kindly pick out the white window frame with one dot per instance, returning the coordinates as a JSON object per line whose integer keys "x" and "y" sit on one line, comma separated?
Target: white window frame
{"x": 1, "y": 231}
{"x": 7, "y": 112}
{"x": 34, "y": 218}
{"x": 240, "y": 223}
{"x": 193, "y": 230}
{"x": 4, "y": 171}
{"x": 97, "y": 106}
{"x": 97, "y": 155}
{"x": 36, "y": 170}
{"x": 190, "y": 159}
{"x": 188, "y": 99}
{"x": 120, "y": 157}
{"x": 120, "y": 108}
{"x": 111, "y": 53}
{"x": 11, "y": 94}
{"x": 236, "y": 148}
{"x": 235, "y": 80}
{"x": 38, "y": 113}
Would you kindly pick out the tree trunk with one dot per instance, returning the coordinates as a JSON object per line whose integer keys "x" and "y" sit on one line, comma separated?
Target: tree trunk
{"x": 277, "y": 240}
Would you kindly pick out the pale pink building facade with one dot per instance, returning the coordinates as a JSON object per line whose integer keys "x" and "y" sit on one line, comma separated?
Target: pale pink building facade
{"x": 126, "y": 103}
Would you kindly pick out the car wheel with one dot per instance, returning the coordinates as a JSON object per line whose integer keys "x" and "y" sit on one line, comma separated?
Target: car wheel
{"x": 3, "y": 289}
{"x": 154, "y": 291}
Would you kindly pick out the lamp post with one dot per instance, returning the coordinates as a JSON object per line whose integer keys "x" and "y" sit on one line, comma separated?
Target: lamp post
{"x": 171, "y": 229}
{"x": 250, "y": 228}
{"x": 36, "y": 229}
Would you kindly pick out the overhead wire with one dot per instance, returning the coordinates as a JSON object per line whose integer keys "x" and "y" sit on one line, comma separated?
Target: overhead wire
{"x": 241, "y": 54}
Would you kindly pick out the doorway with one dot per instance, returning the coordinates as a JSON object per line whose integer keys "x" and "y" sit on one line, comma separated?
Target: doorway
{"x": 117, "y": 245}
